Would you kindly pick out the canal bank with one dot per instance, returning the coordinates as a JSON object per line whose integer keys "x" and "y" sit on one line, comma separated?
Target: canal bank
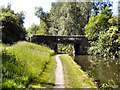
{"x": 74, "y": 77}
{"x": 104, "y": 71}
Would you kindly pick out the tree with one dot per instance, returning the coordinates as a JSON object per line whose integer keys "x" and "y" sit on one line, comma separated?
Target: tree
{"x": 43, "y": 28}
{"x": 32, "y": 30}
{"x": 104, "y": 34}
{"x": 40, "y": 13}
{"x": 37, "y": 29}
{"x": 97, "y": 24}
{"x": 98, "y": 6}
{"x": 44, "y": 20}
{"x": 69, "y": 18}
{"x": 108, "y": 43}
{"x": 12, "y": 26}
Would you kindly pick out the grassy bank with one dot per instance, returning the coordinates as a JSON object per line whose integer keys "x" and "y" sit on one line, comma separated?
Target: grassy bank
{"x": 47, "y": 79}
{"x": 27, "y": 65}
{"x": 74, "y": 77}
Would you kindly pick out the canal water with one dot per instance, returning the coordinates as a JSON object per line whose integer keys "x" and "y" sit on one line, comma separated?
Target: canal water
{"x": 104, "y": 71}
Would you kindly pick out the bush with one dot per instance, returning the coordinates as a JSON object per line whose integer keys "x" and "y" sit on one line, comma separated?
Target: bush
{"x": 104, "y": 34}
{"x": 12, "y": 26}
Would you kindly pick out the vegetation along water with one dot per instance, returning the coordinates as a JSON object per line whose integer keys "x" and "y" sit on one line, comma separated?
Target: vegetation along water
{"x": 104, "y": 71}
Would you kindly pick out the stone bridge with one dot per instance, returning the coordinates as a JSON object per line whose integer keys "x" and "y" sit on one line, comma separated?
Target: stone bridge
{"x": 79, "y": 42}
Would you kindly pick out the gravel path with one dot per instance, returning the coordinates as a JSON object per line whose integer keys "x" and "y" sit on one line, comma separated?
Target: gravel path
{"x": 59, "y": 82}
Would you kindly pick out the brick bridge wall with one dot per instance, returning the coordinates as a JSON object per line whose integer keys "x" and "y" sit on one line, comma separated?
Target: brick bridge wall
{"x": 79, "y": 42}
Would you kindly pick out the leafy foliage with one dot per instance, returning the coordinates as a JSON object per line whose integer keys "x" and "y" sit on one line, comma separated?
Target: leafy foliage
{"x": 109, "y": 42}
{"x": 99, "y": 6}
{"x": 32, "y": 30}
{"x": 37, "y": 29}
{"x": 44, "y": 20}
{"x": 69, "y": 18}
{"x": 12, "y": 26}
{"x": 66, "y": 49}
{"x": 103, "y": 71}
{"x": 97, "y": 24}
{"x": 104, "y": 34}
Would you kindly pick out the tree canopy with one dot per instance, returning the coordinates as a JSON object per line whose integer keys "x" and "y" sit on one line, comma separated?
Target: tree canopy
{"x": 44, "y": 20}
{"x": 12, "y": 25}
{"x": 76, "y": 18}
{"x": 37, "y": 29}
{"x": 69, "y": 18}
{"x": 104, "y": 34}
{"x": 97, "y": 24}
{"x": 98, "y": 6}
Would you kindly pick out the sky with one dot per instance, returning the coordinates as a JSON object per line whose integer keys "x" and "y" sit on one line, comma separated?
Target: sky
{"x": 28, "y": 7}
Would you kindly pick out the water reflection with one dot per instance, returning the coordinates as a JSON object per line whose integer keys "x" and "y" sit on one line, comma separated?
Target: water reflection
{"x": 103, "y": 70}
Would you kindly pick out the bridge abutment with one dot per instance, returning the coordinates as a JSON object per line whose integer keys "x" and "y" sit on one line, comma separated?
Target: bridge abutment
{"x": 78, "y": 49}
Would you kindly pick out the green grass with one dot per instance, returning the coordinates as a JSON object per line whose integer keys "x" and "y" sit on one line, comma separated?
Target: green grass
{"x": 24, "y": 63}
{"x": 47, "y": 79}
{"x": 73, "y": 75}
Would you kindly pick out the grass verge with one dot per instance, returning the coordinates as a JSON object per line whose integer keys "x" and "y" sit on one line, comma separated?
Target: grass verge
{"x": 74, "y": 77}
{"x": 24, "y": 63}
{"x": 47, "y": 79}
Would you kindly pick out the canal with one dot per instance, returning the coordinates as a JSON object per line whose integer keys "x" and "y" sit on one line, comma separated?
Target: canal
{"x": 104, "y": 71}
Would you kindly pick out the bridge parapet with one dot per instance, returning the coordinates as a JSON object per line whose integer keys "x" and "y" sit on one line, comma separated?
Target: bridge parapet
{"x": 79, "y": 42}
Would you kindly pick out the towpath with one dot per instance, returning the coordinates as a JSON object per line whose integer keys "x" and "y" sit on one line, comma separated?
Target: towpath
{"x": 59, "y": 82}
